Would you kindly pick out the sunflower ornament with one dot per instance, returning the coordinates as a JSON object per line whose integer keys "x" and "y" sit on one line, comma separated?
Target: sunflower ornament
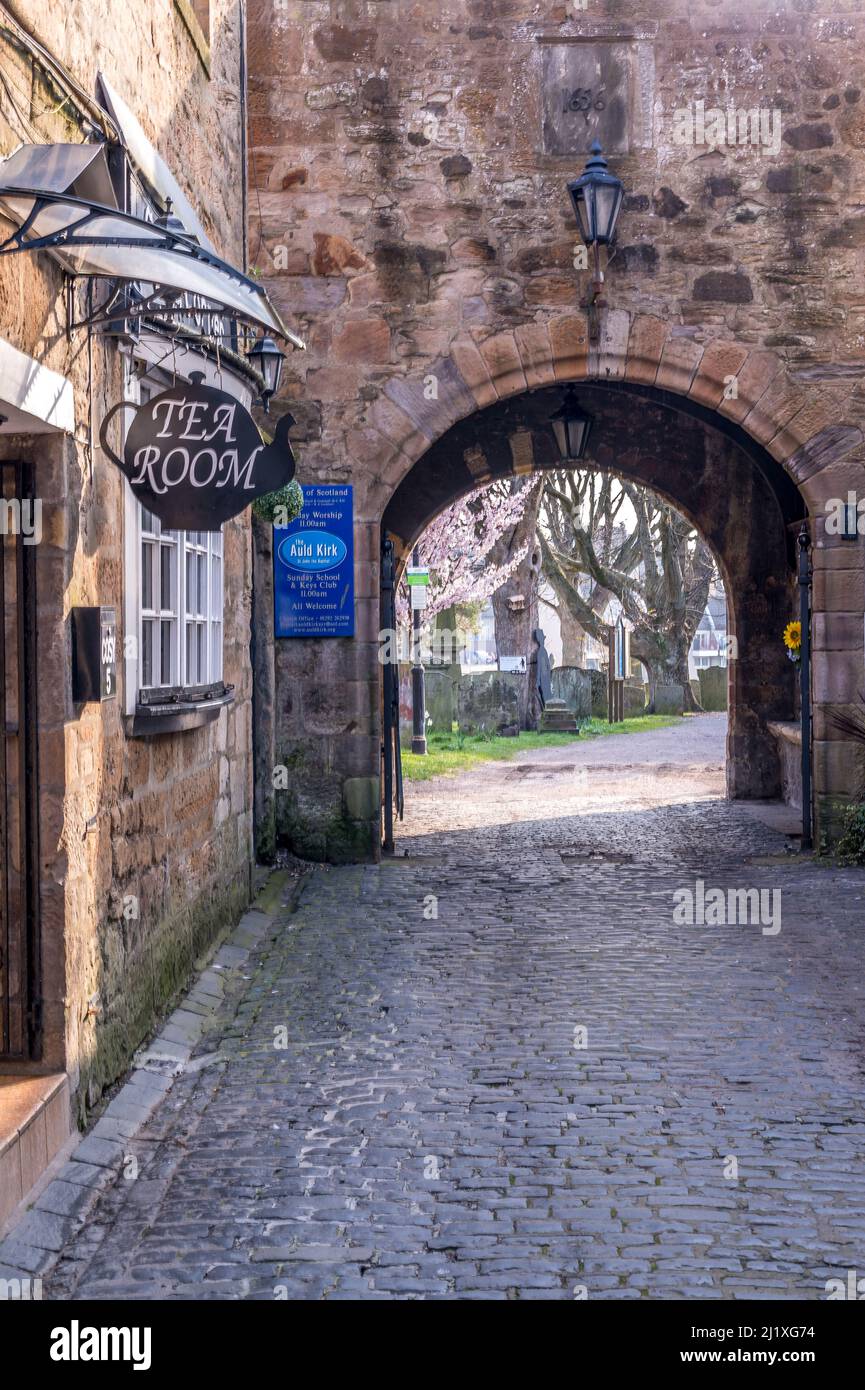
{"x": 793, "y": 640}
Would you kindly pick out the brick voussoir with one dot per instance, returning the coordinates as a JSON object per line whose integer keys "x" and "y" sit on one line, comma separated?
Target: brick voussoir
{"x": 569, "y": 340}
{"x": 756, "y": 374}
{"x": 504, "y": 364}
{"x": 828, "y": 446}
{"x": 679, "y": 361}
{"x": 391, "y": 421}
{"x": 818, "y": 412}
{"x": 433, "y": 400}
{"x": 472, "y": 368}
{"x": 720, "y": 360}
{"x": 536, "y": 353}
{"x": 645, "y": 346}
{"x": 778, "y": 404}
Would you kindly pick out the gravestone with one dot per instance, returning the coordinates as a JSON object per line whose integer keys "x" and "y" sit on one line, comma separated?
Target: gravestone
{"x": 713, "y": 687}
{"x": 439, "y": 689}
{"x": 488, "y": 701}
{"x": 669, "y": 699}
{"x": 634, "y": 700}
{"x": 599, "y": 694}
{"x": 573, "y": 685}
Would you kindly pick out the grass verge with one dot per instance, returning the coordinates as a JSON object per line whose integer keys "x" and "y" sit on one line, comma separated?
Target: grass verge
{"x": 448, "y": 754}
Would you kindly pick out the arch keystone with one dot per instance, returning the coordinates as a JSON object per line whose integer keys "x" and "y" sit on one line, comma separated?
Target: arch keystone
{"x": 569, "y": 339}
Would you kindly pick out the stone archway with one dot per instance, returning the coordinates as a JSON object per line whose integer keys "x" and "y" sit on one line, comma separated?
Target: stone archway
{"x": 812, "y": 434}
{"x": 741, "y": 502}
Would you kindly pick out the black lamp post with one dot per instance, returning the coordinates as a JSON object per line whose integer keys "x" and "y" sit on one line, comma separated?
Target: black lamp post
{"x": 597, "y": 199}
{"x": 267, "y": 359}
{"x": 571, "y": 427}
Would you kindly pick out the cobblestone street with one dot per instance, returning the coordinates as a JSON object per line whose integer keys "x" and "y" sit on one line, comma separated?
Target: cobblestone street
{"x": 436, "y": 1125}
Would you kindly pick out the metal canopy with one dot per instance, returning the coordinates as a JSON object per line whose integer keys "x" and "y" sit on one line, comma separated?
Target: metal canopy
{"x": 50, "y": 191}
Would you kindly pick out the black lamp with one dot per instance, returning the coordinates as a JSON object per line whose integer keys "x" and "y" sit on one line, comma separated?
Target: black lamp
{"x": 597, "y": 198}
{"x": 267, "y": 359}
{"x": 571, "y": 427}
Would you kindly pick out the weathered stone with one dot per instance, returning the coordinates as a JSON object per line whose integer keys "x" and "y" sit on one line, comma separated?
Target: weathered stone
{"x": 574, "y": 687}
{"x": 713, "y": 687}
{"x": 726, "y": 287}
{"x": 455, "y": 166}
{"x": 809, "y": 137}
{"x": 333, "y": 255}
{"x": 488, "y": 701}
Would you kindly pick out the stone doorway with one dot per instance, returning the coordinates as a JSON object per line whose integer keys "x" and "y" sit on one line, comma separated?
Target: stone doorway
{"x": 20, "y": 1024}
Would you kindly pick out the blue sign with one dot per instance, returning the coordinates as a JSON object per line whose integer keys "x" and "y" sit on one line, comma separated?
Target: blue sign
{"x": 313, "y": 567}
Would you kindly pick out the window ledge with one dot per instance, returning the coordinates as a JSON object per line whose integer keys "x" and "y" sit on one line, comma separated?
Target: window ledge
{"x": 175, "y": 716}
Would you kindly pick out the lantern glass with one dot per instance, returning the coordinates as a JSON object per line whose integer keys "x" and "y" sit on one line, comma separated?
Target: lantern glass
{"x": 597, "y": 199}
{"x": 571, "y": 428}
{"x": 267, "y": 359}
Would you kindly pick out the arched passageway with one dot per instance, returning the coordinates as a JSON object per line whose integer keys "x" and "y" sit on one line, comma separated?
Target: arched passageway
{"x": 742, "y": 501}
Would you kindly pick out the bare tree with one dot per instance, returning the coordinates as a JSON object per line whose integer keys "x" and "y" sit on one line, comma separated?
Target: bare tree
{"x": 605, "y": 538}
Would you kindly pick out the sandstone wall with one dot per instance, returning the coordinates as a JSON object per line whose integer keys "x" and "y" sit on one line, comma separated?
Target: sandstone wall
{"x": 411, "y": 169}
{"x": 165, "y": 821}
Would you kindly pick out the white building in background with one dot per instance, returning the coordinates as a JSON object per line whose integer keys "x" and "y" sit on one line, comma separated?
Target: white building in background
{"x": 709, "y": 647}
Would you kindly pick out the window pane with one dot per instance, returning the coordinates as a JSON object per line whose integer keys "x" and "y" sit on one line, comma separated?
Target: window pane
{"x": 165, "y": 559}
{"x": 191, "y": 676}
{"x": 215, "y": 651}
{"x": 147, "y": 653}
{"x": 201, "y": 634}
{"x": 215, "y": 587}
{"x": 146, "y": 574}
{"x": 201, "y": 591}
{"x": 190, "y": 582}
{"x": 165, "y": 654}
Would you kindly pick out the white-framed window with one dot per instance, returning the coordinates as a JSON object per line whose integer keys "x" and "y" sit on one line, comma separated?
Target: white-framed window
{"x": 173, "y": 601}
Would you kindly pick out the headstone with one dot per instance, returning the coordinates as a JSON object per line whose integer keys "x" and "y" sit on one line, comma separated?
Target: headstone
{"x": 488, "y": 701}
{"x": 634, "y": 700}
{"x": 669, "y": 699}
{"x": 713, "y": 687}
{"x": 440, "y": 699}
{"x": 573, "y": 685}
{"x": 599, "y": 694}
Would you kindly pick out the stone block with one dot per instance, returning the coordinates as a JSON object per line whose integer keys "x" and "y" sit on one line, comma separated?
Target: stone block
{"x": 361, "y": 796}
{"x": 645, "y": 346}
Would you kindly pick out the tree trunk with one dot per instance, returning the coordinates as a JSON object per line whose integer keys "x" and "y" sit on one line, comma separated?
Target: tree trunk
{"x": 515, "y": 603}
{"x": 573, "y": 638}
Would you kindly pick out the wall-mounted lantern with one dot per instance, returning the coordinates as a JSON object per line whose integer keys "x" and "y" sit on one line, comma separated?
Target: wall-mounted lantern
{"x": 267, "y": 360}
{"x": 571, "y": 427}
{"x": 597, "y": 200}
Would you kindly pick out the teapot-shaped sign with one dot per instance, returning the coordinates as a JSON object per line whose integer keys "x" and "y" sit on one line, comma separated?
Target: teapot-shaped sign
{"x": 194, "y": 456}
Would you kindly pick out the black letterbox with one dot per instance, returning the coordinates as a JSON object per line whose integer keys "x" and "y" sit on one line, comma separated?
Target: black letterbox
{"x": 94, "y": 654}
